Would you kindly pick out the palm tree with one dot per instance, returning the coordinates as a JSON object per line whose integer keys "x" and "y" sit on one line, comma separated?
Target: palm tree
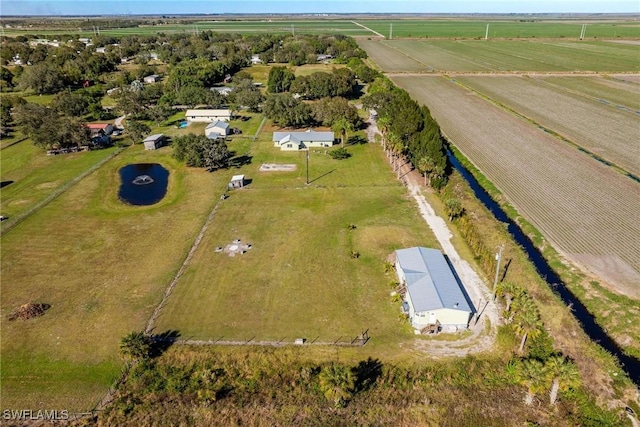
{"x": 530, "y": 373}
{"x": 383, "y": 124}
{"x": 521, "y": 302}
{"x": 509, "y": 291}
{"x": 528, "y": 324}
{"x": 396, "y": 146}
{"x": 342, "y": 126}
{"x": 337, "y": 383}
{"x": 136, "y": 345}
{"x": 454, "y": 208}
{"x": 425, "y": 166}
{"x": 563, "y": 374}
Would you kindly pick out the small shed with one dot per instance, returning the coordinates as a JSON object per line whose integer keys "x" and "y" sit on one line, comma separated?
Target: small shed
{"x": 153, "y": 142}
{"x": 237, "y": 181}
{"x": 152, "y": 78}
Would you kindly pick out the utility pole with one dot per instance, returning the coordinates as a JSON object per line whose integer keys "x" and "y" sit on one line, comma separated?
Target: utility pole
{"x": 391, "y": 31}
{"x": 293, "y": 30}
{"x": 307, "y": 166}
{"x": 499, "y": 259}
{"x": 486, "y": 33}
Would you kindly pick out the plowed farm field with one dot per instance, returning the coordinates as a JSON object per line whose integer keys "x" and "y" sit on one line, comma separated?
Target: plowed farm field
{"x": 610, "y": 131}
{"x": 586, "y": 209}
{"x": 502, "y": 56}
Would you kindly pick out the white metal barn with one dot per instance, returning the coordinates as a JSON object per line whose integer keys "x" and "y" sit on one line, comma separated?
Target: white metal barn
{"x": 435, "y": 297}
{"x": 208, "y": 115}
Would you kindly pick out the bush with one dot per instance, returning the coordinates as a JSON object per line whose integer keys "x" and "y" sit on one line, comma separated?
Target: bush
{"x": 339, "y": 153}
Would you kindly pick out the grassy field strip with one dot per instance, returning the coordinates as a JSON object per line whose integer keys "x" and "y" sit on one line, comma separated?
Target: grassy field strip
{"x": 600, "y": 129}
{"x": 474, "y": 29}
{"x": 103, "y": 267}
{"x": 586, "y": 204}
{"x": 152, "y": 320}
{"x": 613, "y": 92}
{"x": 38, "y": 178}
{"x": 248, "y": 26}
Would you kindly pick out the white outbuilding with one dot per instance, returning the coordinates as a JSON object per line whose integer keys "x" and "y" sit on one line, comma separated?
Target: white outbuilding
{"x": 436, "y": 298}
{"x": 208, "y": 115}
{"x": 217, "y": 129}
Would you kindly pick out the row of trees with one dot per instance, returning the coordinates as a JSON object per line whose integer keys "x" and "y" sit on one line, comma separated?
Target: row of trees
{"x": 409, "y": 131}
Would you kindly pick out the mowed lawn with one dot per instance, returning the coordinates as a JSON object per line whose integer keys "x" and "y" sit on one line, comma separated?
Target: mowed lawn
{"x": 29, "y": 175}
{"x": 299, "y": 279}
{"x": 103, "y": 267}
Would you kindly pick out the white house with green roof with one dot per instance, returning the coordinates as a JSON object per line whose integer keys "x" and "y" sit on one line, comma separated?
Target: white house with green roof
{"x": 435, "y": 296}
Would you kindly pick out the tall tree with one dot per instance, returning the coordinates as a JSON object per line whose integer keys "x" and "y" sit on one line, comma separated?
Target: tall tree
{"x": 527, "y": 323}
{"x": 342, "y": 127}
{"x": 137, "y": 130}
{"x": 509, "y": 291}
{"x": 280, "y": 79}
{"x": 563, "y": 375}
{"x": 531, "y": 374}
{"x": 425, "y": 166}
{"x": 454, "y": 208}
{"x": 136, "y": 346}
{"x": 337, "y": 384}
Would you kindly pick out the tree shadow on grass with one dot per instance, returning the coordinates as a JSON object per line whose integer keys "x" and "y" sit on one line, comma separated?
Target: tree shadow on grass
{"x": 238, "y": 161}
{"x": 162, "y": 342}
{"x": 367, "y": 373}
{"x": 356, "y": 140}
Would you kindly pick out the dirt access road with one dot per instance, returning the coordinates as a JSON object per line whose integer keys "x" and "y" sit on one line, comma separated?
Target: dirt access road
{"x": 483, "y": 327}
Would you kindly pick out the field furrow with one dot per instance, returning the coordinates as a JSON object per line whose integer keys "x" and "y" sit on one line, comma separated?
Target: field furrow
{"x": 599, "y": 128}
{"x": 587, "y": 210}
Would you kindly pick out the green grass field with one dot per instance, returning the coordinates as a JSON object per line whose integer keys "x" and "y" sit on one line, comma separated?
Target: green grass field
{"x": 36, "y": 176}
{"x": 402, "y": 28}
{"x": 102, "y": 266}
{"x": 280, "y": 288}
{"x": 476, "y": 28}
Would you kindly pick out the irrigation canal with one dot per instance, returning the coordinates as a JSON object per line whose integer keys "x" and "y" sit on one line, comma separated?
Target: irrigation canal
{"x": 596, "y": 333}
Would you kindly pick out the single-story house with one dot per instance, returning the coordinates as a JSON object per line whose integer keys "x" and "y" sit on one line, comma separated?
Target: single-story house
{"x": 217, "y": 129}
{"x": 435, "y": 297}
{"x": 301, "y": 140}
{"x": 100, "y": 129}
{"x": 152, "y": 78}
{"x": 208, "y": 115}
{"x": 237, "y": 181}
{"x": 222, "y": 90}
{"x": 255, "y": 60}
{"x": 153, "y": 142}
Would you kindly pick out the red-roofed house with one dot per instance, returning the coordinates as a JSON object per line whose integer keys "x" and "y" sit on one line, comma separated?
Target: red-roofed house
{"x": 100, "y": 129}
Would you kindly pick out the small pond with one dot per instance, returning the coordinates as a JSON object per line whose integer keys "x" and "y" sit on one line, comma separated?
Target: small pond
{"x": 143, "y": 183}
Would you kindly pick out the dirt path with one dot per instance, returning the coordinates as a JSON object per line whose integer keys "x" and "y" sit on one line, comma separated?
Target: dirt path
{"x": 483, "y": 327}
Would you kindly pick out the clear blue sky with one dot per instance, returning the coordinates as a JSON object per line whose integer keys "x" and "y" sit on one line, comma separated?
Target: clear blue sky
{"x": 98, "y": 7}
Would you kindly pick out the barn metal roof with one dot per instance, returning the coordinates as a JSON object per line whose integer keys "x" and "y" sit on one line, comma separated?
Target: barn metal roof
{"x": 430, "y": 281}
{"x": 309, "y": 135}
